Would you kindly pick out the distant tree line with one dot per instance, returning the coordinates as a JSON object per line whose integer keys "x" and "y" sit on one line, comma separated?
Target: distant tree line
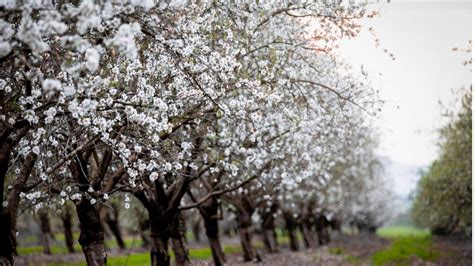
{"x": 443, "y": 200}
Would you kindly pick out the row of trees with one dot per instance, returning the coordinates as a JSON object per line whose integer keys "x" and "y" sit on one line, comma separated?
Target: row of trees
{"x": 185, "y": 105}
{"x": 443, "y": 199}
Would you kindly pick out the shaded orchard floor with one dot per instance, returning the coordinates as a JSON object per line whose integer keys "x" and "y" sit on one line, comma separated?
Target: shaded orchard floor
{"x": 360, "y": 249}
{"x": 344, "y": 249}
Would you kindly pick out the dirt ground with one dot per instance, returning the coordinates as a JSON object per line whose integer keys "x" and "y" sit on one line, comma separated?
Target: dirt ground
{"x": 357, "y": 250}
{"x": 342, "y": 250}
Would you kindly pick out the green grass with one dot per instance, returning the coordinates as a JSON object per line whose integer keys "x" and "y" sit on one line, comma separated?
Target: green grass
{"x": 407, "y": 242}
{"x": 394, "y": 232}
{"x": 144, "y": 257}
{"x": 347, "y": 257}
{"x": 60, "y": 248}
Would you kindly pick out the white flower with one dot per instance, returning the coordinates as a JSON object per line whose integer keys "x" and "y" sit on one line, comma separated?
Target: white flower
{"x": 93, "y": 201}
{"x": 127, "y": 205}
{"x": 5, "y": 48}
{"x": 106, "y": 196}
{"x": 93, "y": 59}
{"x": 36, "y": 150}
{"x": 168, "y": 166}
{"x": 153, "y": 176}
{"x": 51, "y": 85}
{"x": 90, "y": 190}
{"x": 63, "y": 194}
{"x": 138, "y": 148}
{"x": 76, "y": 196}
{"x": 69, "y": 91}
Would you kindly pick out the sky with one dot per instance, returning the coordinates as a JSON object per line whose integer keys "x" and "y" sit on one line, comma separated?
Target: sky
{"x": 421, "y": 35}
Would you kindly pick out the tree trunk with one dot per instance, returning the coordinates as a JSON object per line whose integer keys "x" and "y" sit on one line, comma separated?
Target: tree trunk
{"x": 7, "y": 254}
{"x": 67, "y": 224}
{"x": 196, "y": 227}
{"x": 212, "y": 232}
{"x": 246, "y": 242}
{"x": 290, "y": 227}
{"x": 268, "y": 229}
{"x": 144, "y": 232}
{"x": 92, "y": 234}
{"x": 178, "y": 242}
{"x": 306, "y": 233}
{"x": 270, "y": 240}
{"x": 244, "y": 222}
{"x": 114, "y": 226}
{"x": 159, "y": 238}
{"x": 321, "y": 229}
{"x": 45, "y": 232}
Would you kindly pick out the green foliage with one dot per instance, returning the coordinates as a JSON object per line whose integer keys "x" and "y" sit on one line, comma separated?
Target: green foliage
{"x": 403, "y": 250}
{"x": 443, "y": 197}
{"x": 336, "y": 251}
{"x": 347, "y": 257}
{"x": 394, "y": 232}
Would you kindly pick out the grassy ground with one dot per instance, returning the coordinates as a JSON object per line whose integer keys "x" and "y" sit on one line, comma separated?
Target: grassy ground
{"x": 408, "y": 243}
{"x": 62, "y": 249}
{"x": 140, "y": 258}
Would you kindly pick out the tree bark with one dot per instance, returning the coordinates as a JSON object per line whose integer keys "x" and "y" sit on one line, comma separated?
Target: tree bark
{"x": 92, "y": 234}
{"x": 244, "y": 222}
{"x": 268, "y": 229}
{"x": 45, "y": 232}
{"x": 321, "y": 229}
{"x": 290, "y": 227}
{"x": 7, "y": 243}
{"x": 246, "y": 242}
{"x": 212, "y": 232}
{"x": 196, "y": 227}
{"x": 114, "y": 226}
{"x": 306, "y": 233}
{"x": 178, "y": 242}
{"x": 144, "y": 232}
{"x": 14, "y": 195}
{"x": 7, "y": 254}
{"x": 67, "y": 225}
{"x": 160, "y": 234}
{"x": 270, "y": 240}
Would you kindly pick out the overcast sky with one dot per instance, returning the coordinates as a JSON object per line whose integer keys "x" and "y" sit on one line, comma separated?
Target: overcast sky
{"x": 421, "y": 35}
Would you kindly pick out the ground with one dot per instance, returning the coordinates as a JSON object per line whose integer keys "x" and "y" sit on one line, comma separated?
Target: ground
{"x": 390, "y": 246}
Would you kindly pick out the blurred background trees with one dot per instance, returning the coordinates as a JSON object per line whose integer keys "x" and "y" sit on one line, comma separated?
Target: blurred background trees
{"x": 443, "y": 200}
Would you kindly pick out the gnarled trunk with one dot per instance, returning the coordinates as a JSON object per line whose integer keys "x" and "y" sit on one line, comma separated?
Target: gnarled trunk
{"x": 290, "y": 227}
{"x": 67, "y": 225}
{"x": 196, "y": 227}
{"x": 160, "y": 234}
{"x": 246, "y": 242}
{"x": 210, "y": 214}
{"x": 268, "y": 229}
{"x": 270, "y": 239}
{"x": 45, "y": 232}
{"x": 92, "y": 234}
{"x": 8, "y": 215}
{"x": 112, "y": 222}
{"x": 7, "y": 244}
{"x": 321, "y": 224}
{"x": 244, "y": 226}
{"x": 144, "y": 231}
{"x": 178, "y": 242}
{"x": 306, "y": 233}
{"x": 212, "y": 232}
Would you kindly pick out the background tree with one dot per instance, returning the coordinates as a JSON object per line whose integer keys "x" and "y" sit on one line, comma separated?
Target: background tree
{"x": 443, "y": 199}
